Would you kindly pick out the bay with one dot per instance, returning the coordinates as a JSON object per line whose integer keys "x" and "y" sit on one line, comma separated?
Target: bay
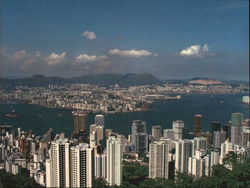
{"x": 213, "y": 107}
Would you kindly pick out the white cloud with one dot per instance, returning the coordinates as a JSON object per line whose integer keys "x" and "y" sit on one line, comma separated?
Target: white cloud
{"x": 195, "y": 51}
{"x": 89, "y": 35}
{"x": 89, "y": 58}
{"x": 54, "y": 58}
{"x": 131, "y": 53}
{"x": 20, "y": 55}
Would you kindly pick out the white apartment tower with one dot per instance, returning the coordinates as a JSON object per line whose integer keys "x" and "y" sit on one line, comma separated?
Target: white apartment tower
{"x": 158, "y": 159}
{"x": 82, "y": 165}
{"x": 58, "y": 166}
{"x": 182, "y": 153}
{"x": 114, "y": 160}
{"x": 178, "y": 127}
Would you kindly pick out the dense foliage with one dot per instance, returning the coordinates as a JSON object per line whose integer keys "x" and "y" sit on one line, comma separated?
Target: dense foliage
{"x": 8, "y": 180}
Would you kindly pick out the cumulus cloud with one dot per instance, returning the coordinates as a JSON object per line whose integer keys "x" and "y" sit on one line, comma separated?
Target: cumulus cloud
{"x": 88, "y": 58}
{"x": 20, "y": 55}
{"x": 89, "y": 35}
{"x": 54, "y": 58}
{"x": 131, "y": 53}
{"x": 195, "y": 51}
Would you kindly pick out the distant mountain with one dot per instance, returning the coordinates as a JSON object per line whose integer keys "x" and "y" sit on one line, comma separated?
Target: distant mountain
{"x": 207, "y": 81}
{"x": 101, "y": 79}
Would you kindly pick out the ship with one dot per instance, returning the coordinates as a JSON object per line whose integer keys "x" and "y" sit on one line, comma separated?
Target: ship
{"x": 13, "y": 114}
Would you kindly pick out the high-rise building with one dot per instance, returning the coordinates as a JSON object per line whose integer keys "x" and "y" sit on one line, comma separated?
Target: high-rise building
{"x": 236, "y": 134}
{"x": 82, "y": 166}
{"x": 178, "y": 127}
{"x": 169, "y": 134}
{"x": 58, "y": 166}
{"x": 199, "y": 164}
{"x": 245, "y": 136}
{"x": 236, "y": 125}
{"x": 214, "y": 158}
{"x": 219, "y": 137}
{"x": 197, "y": 124}
{"x": 158, "y": 160}
{"x": 237, "y": 119}
{"x": 99, "y": 120}
{"x": 156, "y": 132}
{"x": 95, "y": 135}
{"x": 182, "y": 153}
{"x": 198, "y": 143}
{"x": 80, "y": 123}
{"x": 139, "y": 136}
{"x": 226, "y": 147}
{"x": 100, "y": 165}
{"x": 114, "y": 160}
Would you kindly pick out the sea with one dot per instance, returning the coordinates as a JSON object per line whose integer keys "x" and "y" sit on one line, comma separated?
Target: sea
{"x": 213, "y": 107}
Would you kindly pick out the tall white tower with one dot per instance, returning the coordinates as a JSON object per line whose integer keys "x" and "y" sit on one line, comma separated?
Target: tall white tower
{"x": 114, "y": 160}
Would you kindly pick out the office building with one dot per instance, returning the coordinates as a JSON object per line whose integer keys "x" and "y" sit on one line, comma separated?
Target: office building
{"x": 237, "y": 119}
{"x": 197, "y": 124}
{"x": 114, "y": 160}
{"x": 139, "y": 136}
{"x": 159, "y": 160}
{"x": 80, "y": 123}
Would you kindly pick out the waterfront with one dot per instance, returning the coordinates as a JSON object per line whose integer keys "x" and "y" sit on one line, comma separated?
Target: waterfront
{"x": 212, "y": 107}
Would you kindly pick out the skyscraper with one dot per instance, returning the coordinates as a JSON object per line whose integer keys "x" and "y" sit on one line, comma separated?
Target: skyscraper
{"x": 58, "y": 166}
{"x": 139, "y": 136}
{"x": 158, "y": 160}
{"x": 219, "y": 137}
{"x": 198, "y": 143}
{"x": 82, "y": 165}
{"x": 197, "y": 124}
{"x": 199, "y": 164}
{"x": 156, "y": 132}
{"x": 100, "y": 165}
{"x": 99, "y": 120}
{"x": 80, "y": 123}
{"x": 114, "y": 160}
{"x": 178, "y": 127}
{"x": 182, "y": 154}
{"x": 236, "y": 125}
{"x": 237, "y": 119}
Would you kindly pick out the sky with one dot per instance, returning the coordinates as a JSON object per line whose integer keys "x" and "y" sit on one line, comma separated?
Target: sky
{"x": 170, "y": 39}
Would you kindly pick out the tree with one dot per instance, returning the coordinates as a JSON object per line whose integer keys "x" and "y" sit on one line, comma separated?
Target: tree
{"x": 100, "y": 183}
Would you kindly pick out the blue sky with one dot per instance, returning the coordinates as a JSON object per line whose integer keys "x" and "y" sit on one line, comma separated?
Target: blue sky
{"x": 170, "y": 39}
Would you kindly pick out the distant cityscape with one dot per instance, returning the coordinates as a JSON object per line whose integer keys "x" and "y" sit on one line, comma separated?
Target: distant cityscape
{"x": 112, "y": 99}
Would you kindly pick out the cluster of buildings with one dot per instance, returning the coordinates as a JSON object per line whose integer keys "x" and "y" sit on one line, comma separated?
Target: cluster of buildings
{"x": 109, "y": 99}
{"x": 94, "y": 151}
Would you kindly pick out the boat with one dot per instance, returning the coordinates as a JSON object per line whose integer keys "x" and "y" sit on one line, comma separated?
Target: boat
{"x": 13, "y": 114}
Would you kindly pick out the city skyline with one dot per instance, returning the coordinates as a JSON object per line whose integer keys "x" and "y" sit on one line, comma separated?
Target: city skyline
{"x": 164, "y": 38}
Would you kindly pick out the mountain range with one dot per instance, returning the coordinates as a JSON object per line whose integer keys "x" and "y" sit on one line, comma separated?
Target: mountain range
{"x": 124, "y": 80}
